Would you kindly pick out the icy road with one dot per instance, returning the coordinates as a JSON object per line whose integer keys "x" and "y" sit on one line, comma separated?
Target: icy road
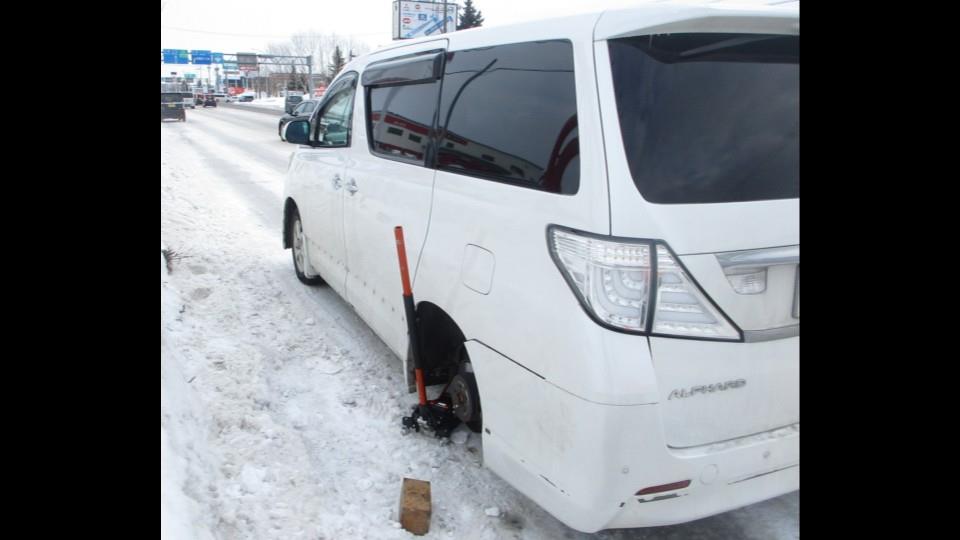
{"x": 279, "y": 408}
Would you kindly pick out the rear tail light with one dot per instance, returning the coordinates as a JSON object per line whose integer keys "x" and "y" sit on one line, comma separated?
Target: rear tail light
{"x": 636, "y": 286}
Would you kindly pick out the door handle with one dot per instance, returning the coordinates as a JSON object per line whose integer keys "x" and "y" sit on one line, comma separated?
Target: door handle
{"x": 352, "y": 186}
{"x": 337, "y": 182}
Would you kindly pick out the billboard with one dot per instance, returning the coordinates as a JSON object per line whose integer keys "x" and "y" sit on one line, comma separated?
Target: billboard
{"x": 418, "y": 19}
{"x": 247, "y": 61}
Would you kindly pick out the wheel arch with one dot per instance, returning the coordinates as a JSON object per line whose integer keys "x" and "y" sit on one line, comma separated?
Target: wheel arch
{"x": 441, "y": 339}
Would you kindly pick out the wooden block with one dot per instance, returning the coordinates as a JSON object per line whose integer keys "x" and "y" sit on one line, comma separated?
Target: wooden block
{"x": 415, "y": 506}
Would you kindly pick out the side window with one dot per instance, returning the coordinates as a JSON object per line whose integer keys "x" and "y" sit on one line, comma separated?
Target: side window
{"x": 402, "y": 97}
{"x": 333, "y": 120}
{"x": 509, "y": 113}
{"x": 401, "y": 120}
{"x": 302, "y": 108}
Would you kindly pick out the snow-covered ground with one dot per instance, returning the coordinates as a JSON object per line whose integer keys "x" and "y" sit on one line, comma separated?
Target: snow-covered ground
{"x": 279, "y": 408}
{"x": 270, "y": 102}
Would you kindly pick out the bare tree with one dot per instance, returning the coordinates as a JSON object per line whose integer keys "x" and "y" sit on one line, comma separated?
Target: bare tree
{"x": 320, "y": 48}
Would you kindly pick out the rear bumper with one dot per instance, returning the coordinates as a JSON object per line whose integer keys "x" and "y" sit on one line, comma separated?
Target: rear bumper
{"x": 755, "y": 469}
{"x": 583, "y": 461}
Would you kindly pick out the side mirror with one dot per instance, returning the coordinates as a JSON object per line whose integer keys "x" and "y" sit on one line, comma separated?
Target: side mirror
{"x": 297, "y": 131}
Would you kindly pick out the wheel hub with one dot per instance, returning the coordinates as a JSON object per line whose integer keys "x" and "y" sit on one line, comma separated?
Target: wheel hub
{"x": 462, "y": 399}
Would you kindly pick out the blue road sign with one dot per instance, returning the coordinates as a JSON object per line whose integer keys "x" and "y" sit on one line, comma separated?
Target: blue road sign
{"x": 201, "y": 57}
{"x": 217, "y": 58}
{"x": 175, "y": 56}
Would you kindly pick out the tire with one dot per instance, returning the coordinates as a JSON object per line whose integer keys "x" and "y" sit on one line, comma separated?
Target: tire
{"x": 466, "y": 396}
{"x": 280, "y": 131}
{"x": 297, "y": 242}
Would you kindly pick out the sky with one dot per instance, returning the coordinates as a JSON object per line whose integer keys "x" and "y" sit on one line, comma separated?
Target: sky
{"x": 232, "y": 26}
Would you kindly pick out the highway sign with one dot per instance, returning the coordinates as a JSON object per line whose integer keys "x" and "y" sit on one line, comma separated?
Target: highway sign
{"x": 201, "y": 57}
{"x": 175, "y": 56}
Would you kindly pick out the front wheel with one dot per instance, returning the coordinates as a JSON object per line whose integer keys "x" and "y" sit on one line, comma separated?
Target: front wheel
{"x": 299, "y": 242}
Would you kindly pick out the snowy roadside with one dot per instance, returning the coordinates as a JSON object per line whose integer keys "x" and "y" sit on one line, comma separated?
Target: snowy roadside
{"x": 272, "y": 103}
{"x": 280, "y": 410}
{"x": 182, "y": 451}
{"x": 298, "y": 420}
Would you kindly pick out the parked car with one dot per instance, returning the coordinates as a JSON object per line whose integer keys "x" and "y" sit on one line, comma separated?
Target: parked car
{"x": 171, "y": 106}
{"x": 230, "y": 99}
{"x": 290, "y": 102}
{"x": 209, "y": 101}
{"x": 601, "y": 217}
{"x": 304, "y": 109}
{"x": 245, "y": 98}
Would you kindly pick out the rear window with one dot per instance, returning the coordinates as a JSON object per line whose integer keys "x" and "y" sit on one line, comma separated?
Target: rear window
{"x": 710, "y": 118}
{"x": 170, "y": 98}
{"x": 294, "y": 99}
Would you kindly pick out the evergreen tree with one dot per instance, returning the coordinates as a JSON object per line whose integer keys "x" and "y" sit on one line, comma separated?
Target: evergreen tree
{"x": 471, "y": 17}
{"x": 336, "y": 63}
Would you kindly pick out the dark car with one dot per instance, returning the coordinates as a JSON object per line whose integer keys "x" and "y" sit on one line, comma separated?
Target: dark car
{"x": 209, "y": 101}
{"x": 171, "y": 106}
{"x": 303, "y": 110}
{"x": 291, "y": 102}
{"x": 245, "y": 98}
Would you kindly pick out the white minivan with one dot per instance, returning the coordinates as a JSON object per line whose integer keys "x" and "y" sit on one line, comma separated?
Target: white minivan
{"x": 601, "y": 216}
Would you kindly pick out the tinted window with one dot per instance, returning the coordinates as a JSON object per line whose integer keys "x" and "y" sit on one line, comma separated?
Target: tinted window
{"x": 710, "y": 118}
{"x": 396, "y": 113}
{"x": 509, "y": 113}
{"x": 333, "y": 122}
